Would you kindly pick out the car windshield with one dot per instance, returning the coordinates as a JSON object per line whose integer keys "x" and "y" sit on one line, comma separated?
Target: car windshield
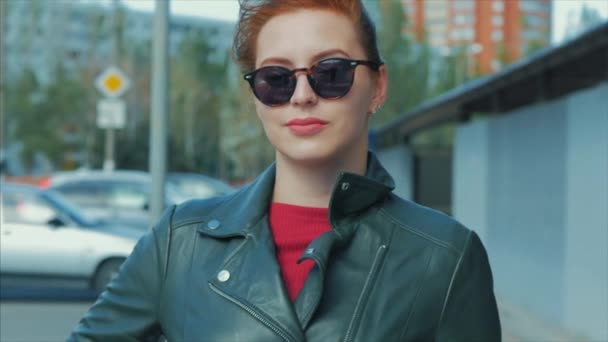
{"x": 70, "y": 209}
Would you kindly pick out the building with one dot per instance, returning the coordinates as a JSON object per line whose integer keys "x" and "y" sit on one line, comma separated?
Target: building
{"x": 39, "y": 35}
{"x": 526, "y": 169}
{"x": 494, "y": 32}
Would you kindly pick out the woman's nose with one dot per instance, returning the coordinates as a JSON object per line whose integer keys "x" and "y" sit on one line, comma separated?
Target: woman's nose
{"x": 303, "y": 94}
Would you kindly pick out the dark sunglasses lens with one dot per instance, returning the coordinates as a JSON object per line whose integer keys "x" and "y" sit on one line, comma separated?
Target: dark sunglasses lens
{"x": 274, "y": 85}
{"x": 333, "y": 78}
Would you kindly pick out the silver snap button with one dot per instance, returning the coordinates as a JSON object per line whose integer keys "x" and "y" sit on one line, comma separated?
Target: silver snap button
{"x": 223, "y": 276}
{"x": 213, "y": 224}
{"x": 309, "y": 250}
{"x": 345, "y": 186}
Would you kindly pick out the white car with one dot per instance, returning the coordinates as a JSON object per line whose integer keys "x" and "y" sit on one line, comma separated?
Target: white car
{"x": 32, "y": 244}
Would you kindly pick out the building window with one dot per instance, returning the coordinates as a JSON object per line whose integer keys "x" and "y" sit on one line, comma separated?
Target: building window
{"x": 498, "y": 6}
{"x": 467, "y": 33}
{"x": 463, "y": 4}
{"x": 535, "y": 5}
{"x": 460, "y": 19}
{"x": 497, "y": 20}
{"x": 438, "y": 41}
{"x": 497, "y": 35}
{"x": 435, "y": 21}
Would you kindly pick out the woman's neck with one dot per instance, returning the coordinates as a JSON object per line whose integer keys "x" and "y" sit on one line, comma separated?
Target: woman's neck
{"x": 311, "y": 185}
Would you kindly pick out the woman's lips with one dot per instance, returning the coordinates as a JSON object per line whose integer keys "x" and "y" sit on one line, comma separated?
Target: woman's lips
{"x": 308, "y": 126}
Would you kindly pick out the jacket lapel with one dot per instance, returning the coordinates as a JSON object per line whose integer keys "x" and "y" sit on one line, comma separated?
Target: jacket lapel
{"x": 250, "y": 276}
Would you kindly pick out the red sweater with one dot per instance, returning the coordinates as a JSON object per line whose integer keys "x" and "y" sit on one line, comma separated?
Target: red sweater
{"x": 293, "y": 229}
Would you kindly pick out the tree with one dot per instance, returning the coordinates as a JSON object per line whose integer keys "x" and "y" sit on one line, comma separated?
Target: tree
{"x": 197, "y": 85}
{"x": 245, "y": 148}
{"x": 407, "y": 62}
{"x": 42, "y": 115}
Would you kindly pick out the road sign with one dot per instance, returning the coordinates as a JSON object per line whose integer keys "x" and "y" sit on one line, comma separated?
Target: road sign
{"x": 112, "y": 82}
{"x": 111, "y": 113}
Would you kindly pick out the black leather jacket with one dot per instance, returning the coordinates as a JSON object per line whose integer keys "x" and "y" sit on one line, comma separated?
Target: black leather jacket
{"x": 389, "y": 270}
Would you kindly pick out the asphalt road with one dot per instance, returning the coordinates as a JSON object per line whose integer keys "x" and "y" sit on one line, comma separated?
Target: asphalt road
{"x": 50, "y": 321}
{"x": 39, "y": 321}
{"x": 53, "y": 321}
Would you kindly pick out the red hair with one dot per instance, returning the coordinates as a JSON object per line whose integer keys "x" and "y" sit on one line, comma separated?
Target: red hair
{"x": 254, "y": 14}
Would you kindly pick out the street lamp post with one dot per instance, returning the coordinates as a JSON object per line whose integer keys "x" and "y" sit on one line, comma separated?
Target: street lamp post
{"x": 160, "y": 108}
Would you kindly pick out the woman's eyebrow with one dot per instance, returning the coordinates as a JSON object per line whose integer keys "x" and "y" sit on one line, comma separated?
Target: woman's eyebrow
{"x": 328, "y": 53}
{"x": 275, "y": 60}
{"x": 315, "y": 58}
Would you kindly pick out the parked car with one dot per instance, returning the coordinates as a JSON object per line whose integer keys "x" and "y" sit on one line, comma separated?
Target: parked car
{"x": 36, "y": 241}
{"x": 124, "y": 196}
{"x": 120, "y": 196}
{"x": 194, "y": 185}
{"x": 48, "y": 203}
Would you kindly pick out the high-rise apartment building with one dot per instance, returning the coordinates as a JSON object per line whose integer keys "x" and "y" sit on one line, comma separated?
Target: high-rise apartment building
{"x": 493, "y": 32}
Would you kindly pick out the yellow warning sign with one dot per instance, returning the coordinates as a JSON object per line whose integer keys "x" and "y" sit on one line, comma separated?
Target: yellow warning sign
{"x": 112, "y": 82}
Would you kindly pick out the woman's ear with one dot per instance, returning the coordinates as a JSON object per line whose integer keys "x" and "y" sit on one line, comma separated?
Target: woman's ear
{"x": 381, "y": 89}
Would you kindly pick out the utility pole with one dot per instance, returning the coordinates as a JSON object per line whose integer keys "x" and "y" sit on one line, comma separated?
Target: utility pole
{"x": 160, "y": 108}
{"x": 3, "y": 84}
{"x": 109, "y": 164}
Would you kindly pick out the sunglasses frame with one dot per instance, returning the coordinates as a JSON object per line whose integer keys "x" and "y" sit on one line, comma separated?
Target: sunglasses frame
{"x": 352, "y": 63}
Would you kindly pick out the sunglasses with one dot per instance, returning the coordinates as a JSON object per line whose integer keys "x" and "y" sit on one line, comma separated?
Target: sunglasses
{"x": 330, "y": 78}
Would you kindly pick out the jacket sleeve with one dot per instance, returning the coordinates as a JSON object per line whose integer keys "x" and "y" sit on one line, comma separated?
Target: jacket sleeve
{"x": 470, "y": 312}
{"x": 128, "y": 308}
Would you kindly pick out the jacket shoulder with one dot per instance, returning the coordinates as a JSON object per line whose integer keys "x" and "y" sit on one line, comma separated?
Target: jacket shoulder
{"x": 429, "y": 224}
{"x": 196, "y": 210}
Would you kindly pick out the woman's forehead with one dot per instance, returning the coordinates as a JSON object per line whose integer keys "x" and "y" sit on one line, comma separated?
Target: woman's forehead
{"x": 302, "y": 36}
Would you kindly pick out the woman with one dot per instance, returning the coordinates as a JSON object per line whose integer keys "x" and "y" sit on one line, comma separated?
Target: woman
{"x": 317, "y": 248}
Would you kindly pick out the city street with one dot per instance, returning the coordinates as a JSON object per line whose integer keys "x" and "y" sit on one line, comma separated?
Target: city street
{"x": 22, "y": 321}
{"x": 39, "y": 321}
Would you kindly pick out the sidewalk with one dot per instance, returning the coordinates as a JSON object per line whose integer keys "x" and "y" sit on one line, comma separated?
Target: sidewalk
{"x": 519, "y": 325}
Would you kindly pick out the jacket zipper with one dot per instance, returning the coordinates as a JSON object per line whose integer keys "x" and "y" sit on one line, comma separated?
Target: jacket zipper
{"x": 252, "y": 312}
{"x": 370, "y": 276}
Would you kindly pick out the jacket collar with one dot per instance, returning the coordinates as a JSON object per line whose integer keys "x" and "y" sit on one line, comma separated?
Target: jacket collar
{"x": 352, "y": 193}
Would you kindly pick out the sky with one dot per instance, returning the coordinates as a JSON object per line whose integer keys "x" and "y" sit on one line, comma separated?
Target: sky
{"x": 228, "y": 10}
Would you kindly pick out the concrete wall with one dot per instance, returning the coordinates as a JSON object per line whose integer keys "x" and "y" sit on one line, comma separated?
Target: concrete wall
{"x": 534, "y": 183}
{"x": 470, "y": 187}
{"x": 398, "y": 161}
{"x": 586, "y": 257}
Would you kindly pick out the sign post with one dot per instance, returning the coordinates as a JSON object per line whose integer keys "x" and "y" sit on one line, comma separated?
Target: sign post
{"x": 111, "y": 110}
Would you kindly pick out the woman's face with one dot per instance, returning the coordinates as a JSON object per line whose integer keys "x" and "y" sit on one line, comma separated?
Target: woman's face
{"x": 298, "y": 40}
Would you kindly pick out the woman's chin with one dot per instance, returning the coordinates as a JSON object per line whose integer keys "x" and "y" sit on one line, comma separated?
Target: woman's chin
{"x": 308, "y": 156}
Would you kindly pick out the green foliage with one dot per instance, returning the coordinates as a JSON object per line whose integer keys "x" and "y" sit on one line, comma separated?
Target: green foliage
{"x": 416, "y": 72}
{"x": 213, "y": 128}
{"x": 43, "y": 116}
{"x": 408, "y": 64}
{"x": 395, "y": 49}
{"x": 198, "y": 80}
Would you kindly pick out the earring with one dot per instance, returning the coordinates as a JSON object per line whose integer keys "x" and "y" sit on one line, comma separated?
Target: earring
{"x": 375, "y": 110}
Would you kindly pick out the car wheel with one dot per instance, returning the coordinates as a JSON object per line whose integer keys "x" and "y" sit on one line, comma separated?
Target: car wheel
{"x": 105, "y": 273}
